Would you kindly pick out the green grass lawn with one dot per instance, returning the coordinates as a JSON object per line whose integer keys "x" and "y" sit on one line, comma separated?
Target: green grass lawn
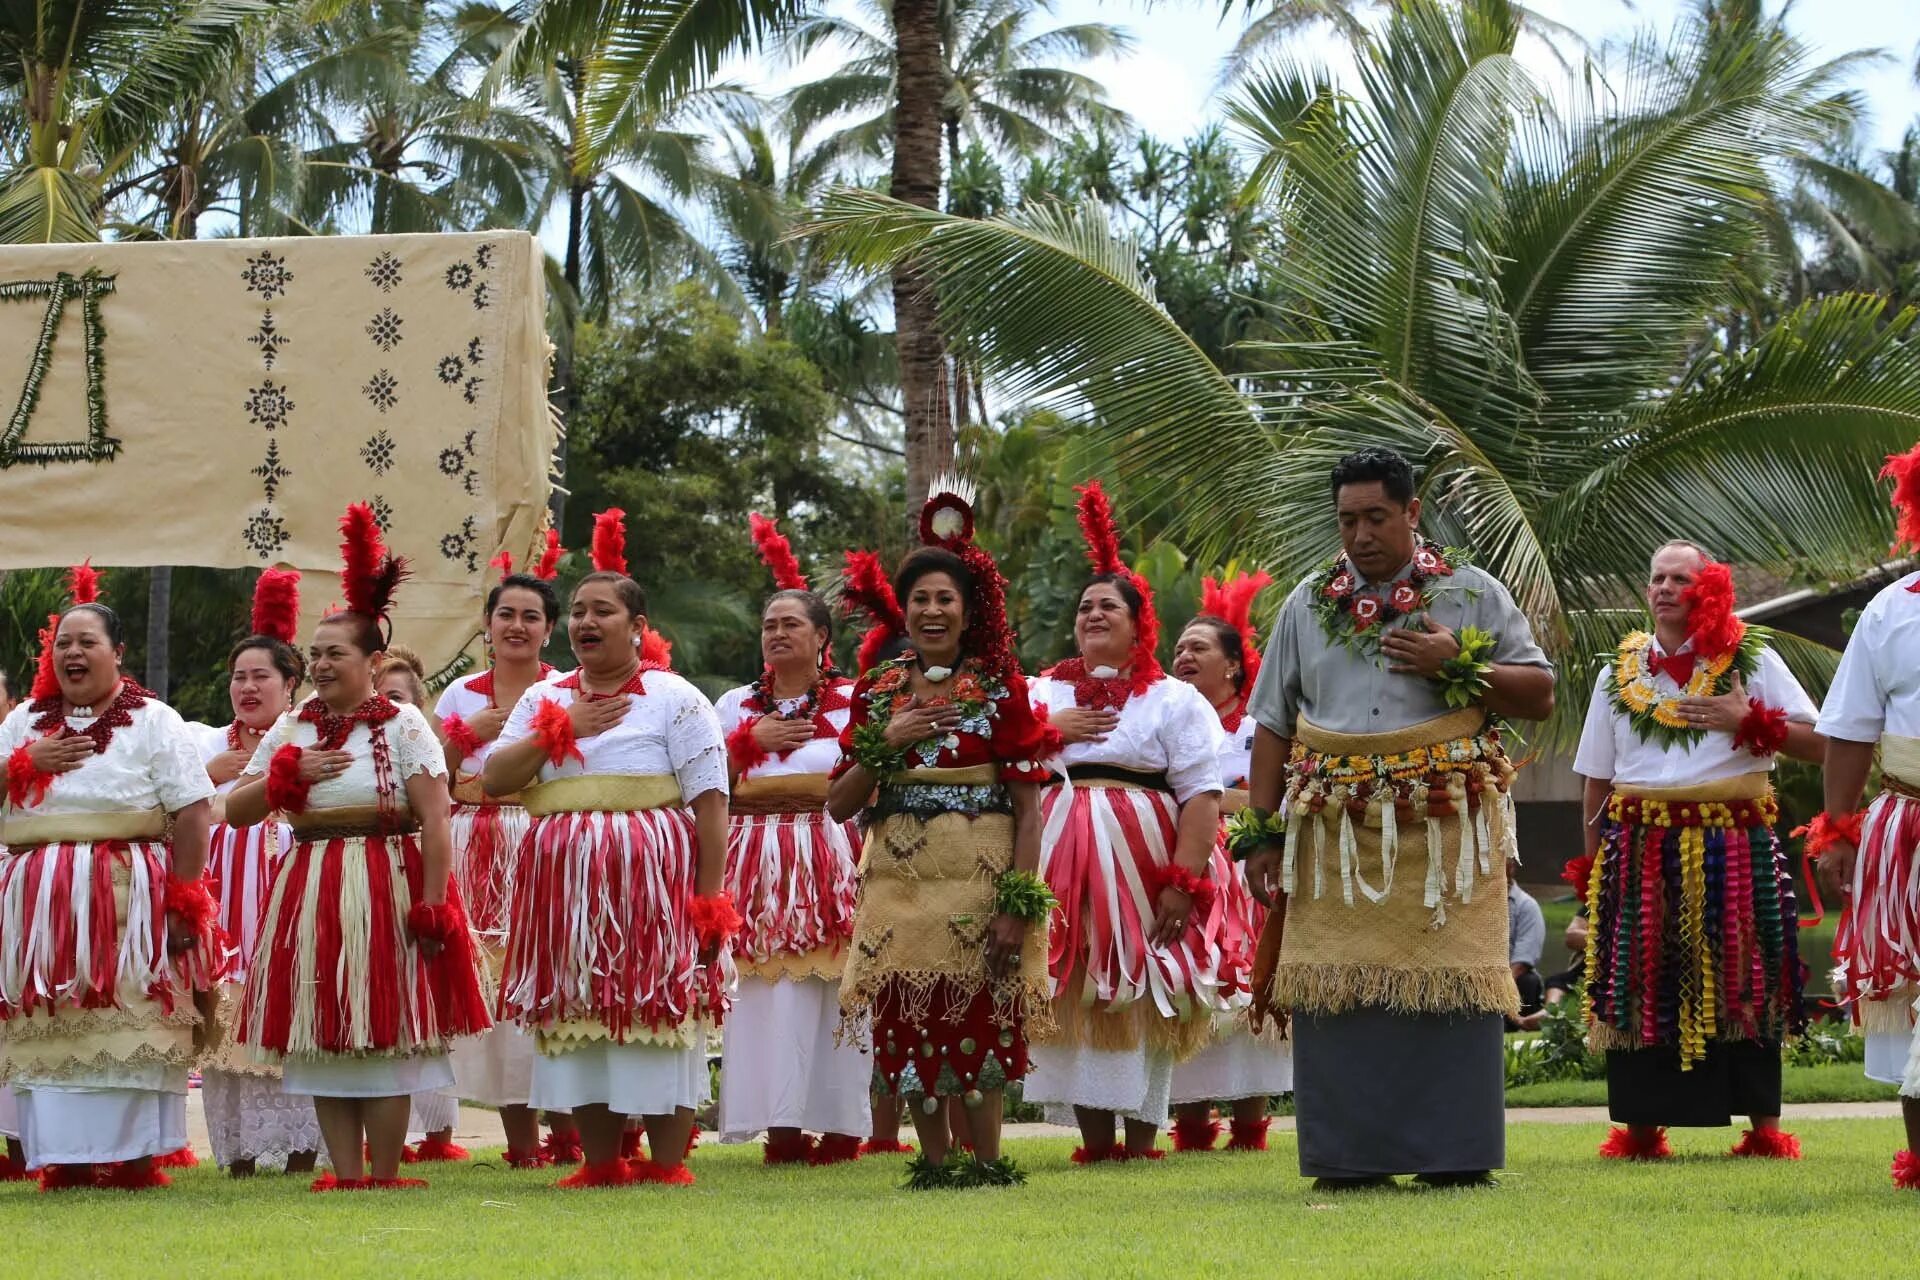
{"x": 1559, "y": 1207}
{"x": 1830, "y": 1082}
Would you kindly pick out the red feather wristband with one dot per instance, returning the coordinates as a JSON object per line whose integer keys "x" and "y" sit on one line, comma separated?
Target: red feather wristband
{"x": 1763, "y": 731}
{"x": 191, "y": 901}
{"x": 1174, "y": 876}
{"x": 713, "y": 918}
{"x": 1826, "y": 831}
{"x": 434, "y": 922}
{"x": 461, "y": 737}
{"x": 286, "y": 789}
{"x": 743, "y": 748}
{"x": 27, "y": 782}
{"x": 1051, "y": 741}
{"x": 553, "y": 730}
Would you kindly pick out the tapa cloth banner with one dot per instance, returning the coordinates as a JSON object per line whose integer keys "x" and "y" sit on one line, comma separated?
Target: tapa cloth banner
{"x": 220, "y": 402}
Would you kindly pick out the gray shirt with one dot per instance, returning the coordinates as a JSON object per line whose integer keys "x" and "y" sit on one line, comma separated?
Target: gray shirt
{"x": 1526, "y": 928}
{"x": 1305, "y": 672}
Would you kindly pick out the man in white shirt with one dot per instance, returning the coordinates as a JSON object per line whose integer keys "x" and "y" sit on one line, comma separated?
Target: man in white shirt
{"x": 1677, "y": 753}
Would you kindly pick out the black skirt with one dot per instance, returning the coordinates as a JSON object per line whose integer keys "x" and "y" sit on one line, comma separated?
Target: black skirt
{"x": 1736, "y": 1078}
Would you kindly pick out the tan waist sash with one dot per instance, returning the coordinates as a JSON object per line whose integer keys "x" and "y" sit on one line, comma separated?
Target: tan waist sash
{"x": 1900, "y": 765}
{"x": 1464, "y": 723}
{"x": 781, "y": 793}
{"x": 26, "y": 831}
{"x": 351, "y": 822}
{"x": 973, "y": 775}
{"x": 468, "y": 791}
{"x": 603, "y": 793}
{"x": 1745, "y": 786}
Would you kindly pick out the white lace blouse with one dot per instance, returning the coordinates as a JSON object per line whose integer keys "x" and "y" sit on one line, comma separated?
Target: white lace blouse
{"x": 1168, "y": 729}
{"x": 152, "y": 763}
{"x": 817, "y": 755}
{"x": 411, "y": 745}
{"x": 669, "y": 729}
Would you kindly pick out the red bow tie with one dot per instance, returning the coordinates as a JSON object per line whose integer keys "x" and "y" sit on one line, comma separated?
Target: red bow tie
{"x": 1677, "y": 666}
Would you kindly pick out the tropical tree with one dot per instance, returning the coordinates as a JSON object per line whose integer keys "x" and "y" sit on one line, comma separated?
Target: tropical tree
{"x": 1511, "y": 295}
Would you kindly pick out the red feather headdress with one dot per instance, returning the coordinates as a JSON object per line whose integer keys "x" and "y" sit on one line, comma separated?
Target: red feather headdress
{"x": 1904, "y": 470}
{"x": 947, "y": 521}
{"x": 370, "y": 573}
{"x": 276, "y": 605}
{"x": 1712, "y": 625}
{"x": 1103, "y": 553}
{"x": 83, "y": 587}
{"x": 656, "y": 651}
{"x": 864, "y": 588}
{"x": 609, "y": 548}
{"x": 1232, "y": 603}
{"x": 776, "y": 553}
{"x": 549, "y": 567}
{"x": 504, "y": 563}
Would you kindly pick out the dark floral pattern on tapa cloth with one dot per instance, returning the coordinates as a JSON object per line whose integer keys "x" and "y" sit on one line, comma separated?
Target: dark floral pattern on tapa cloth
{"x": 268, "y": 405}
{"x": 265, "y": 533}
{"x": 269, "y": 339}
{"x": 382, "y": 390}
{"x": 384, "y": 329}
{"x": 451, "y": 370}
{"x": 482, "y": 296}
{"x": 384, "y": 272}
{"x": 462, "y": 546}
{"x": 382, "y": 512}
{"x": 267, "y": 275}
{"x": 460, "y": 277}
{"x": 377, "y": 452}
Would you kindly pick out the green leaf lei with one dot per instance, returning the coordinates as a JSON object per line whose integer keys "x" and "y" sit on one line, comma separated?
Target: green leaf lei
{"x": 1024, "y": 896}
{"x": 1250, "y": 829}
{"x": 1463, "y": 677}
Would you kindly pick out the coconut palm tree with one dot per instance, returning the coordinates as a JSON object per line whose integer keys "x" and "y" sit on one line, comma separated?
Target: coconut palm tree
{"x": 1513, "y": 296}
{"x": 92, "y": 84}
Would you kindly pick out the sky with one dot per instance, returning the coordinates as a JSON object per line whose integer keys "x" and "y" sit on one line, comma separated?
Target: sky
{"x": 1169, "y": 82}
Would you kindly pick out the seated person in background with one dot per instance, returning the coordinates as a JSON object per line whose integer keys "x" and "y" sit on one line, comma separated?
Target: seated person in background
{"x": 1526, "y": 939}
{"x": 1559, "y": 985}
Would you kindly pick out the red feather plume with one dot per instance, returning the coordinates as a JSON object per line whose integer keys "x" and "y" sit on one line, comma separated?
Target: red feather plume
{"x": 549, "y": 567}
{"x": 864, "y": 587}
{"x": 369, "y": 572}
{"x": 45, "y": 683}
{"x": 276, "y": 605}
{"x": 1097, "y": 525}
{"x": 1904, "y": 470}
{"x": 1232, "y": 603}
{"x": 1714, "y": 628}
{"x": 83, "y": 583}
{"x": 610, "y": 541}
{"x": 776, "y": 553}
{"x": 656, "y": 651}
{"x": 504, "y": 563}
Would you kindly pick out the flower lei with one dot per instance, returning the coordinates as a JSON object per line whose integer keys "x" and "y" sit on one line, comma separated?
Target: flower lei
{"x": 824, "y": 696}
{"x": 1654, "y": 715}
{"x": 1357, "y": 617}
{"x": 1103, "y": 693}
{"x": 972, "y": 689}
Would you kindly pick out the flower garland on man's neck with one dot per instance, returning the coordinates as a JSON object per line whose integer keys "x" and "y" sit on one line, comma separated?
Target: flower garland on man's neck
{"x": 1357, "y": 614}
{"x": 1722, "y": 646}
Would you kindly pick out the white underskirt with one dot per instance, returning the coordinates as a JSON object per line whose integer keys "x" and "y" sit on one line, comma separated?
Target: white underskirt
{"x": 69, "y": 1124}
{"x": 780, "y": 1069}
{"x": 495, "y": 1068}
{"x": 1234, "y": 1066}
{"x": 9, "y": 1114}
{"x": 251, "y": 1117}
{"x": 630, "y": 1079}
{"x": 1887, "y": 1053}
{"x": 432, "y": 1111}
{"x": 345, "y": 1077}
{"x": 1136, "y": 1083}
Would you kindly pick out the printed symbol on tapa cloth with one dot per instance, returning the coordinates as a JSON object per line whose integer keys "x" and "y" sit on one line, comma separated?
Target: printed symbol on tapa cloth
{"x": 382, "y": 390}
{"x": 382, "y": 512}
{"x": 460, "y": 276}
{"x": 378, "y": 453}
{"x": 384, "y": 329}
{"x": 98, "y": 446}
{"x": 872, "y": 950}
{"x": 471, "y": 483}
{"x": 384, "y": 271}
{"x": 272, "y": 472}
{"x": 269, "y": 339}
{"x": 484, "y": 256}
{"x": 903, "y": 850}
{"x": 475, "y": 351}
{"x": 452, "y": 463}
{"x": 471, "y": 392}
{"x": 968, "y": 930}
{"x": 451, "y": 370}
{"x": 264, "y": 534}
{"x": 267, "y": 405}
{"x": 267, "y": 275}
{"x": 459, "y": 546}
{"x": 482, "y": 296}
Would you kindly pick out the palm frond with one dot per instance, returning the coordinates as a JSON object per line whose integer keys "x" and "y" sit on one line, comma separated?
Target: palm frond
{"x": 45, "y": 204}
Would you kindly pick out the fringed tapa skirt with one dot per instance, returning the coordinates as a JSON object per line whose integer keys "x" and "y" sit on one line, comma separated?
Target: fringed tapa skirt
{"x": 1100, "y": 846}
{"x": 791, "y": 876}
{"x": 486, "y": 844}
{"x": 240, "y": 863}
{"x": 1694, "y": 935}
{"x": 600, "y": 946}
{"x": 338, "y": 974}
{"x": 1877, "y": 942}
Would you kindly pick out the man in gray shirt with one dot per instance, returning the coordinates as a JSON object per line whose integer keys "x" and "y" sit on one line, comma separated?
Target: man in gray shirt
{"x": 1379, "y": 683}
{"x": 1526, "y": 940}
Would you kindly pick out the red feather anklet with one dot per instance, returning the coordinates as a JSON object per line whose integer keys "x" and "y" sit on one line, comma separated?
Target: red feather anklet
{"x": 714, "y": 918}
{"x": 1763, "y": 730}
{"x": 27, "y": 782}
{"x": 1174, "y": 876}
{"x": 286, "y": 789}
{"x": 553, "y": 729}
